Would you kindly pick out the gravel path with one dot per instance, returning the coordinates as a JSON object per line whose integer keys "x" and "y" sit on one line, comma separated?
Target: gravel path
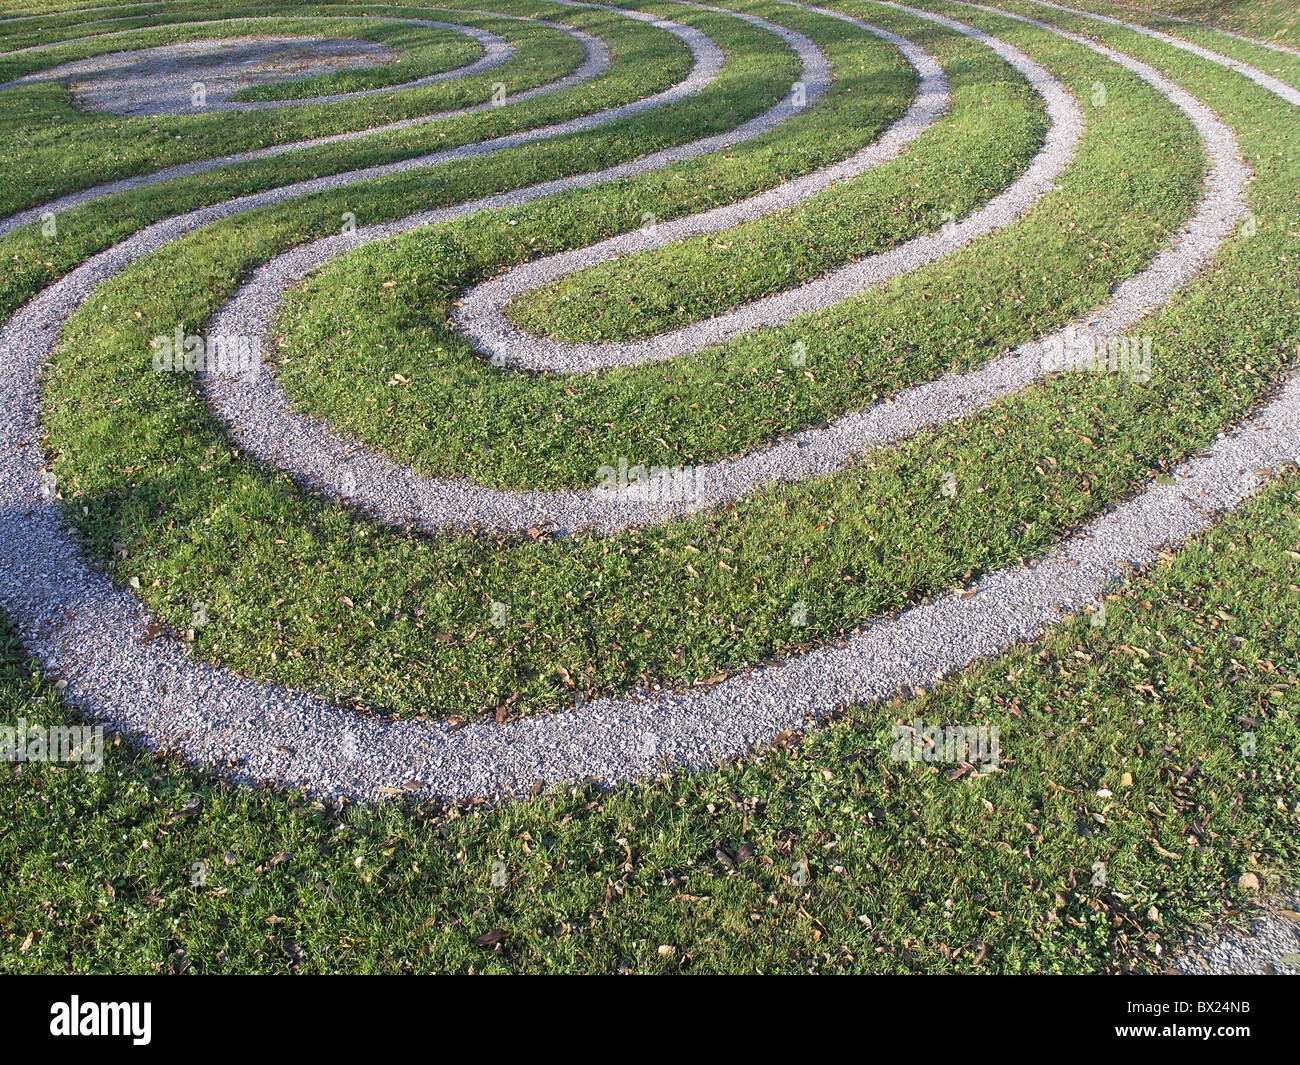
{"x": 124, "y": 58}
{"x": 76, "y": 622}
{"x": 595, "y": 62}
{"x": 1263, "y": 941}
{"x": 480, "y": 313}
{"x": 157, "y": 81}
{"x": 262, "y": 421}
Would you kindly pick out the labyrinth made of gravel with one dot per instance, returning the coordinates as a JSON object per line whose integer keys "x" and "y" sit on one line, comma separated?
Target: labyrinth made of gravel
{"x": 465, "y": 401}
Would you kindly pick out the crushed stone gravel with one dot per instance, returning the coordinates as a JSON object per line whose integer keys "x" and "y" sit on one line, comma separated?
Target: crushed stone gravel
{"x": 94, "y": 635}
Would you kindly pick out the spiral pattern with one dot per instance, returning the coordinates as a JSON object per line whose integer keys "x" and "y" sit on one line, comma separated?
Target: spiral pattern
{"x": 753, "y": 162}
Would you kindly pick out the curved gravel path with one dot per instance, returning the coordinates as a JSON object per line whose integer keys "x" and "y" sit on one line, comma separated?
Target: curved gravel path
{"x": 480, "y": 313}
{"x": 74, "y": 620}
{"x": 496, "y": 51}
{"x": 1259, "y": 77}
{"x": 595, "y": 62}
{"x": 262, "y": 421}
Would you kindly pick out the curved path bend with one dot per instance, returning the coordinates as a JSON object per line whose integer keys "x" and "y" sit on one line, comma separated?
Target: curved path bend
{"x": 74, "y": 620}
{"x": 596, "y": 61}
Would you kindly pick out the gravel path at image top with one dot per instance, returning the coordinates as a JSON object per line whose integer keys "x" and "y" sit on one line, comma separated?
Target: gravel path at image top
{"x": 166, "y": 79}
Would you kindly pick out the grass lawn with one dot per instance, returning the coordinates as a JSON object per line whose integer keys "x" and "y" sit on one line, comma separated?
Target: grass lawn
{"x": 1148, "y": 773}
{"x": 907, "y": 870}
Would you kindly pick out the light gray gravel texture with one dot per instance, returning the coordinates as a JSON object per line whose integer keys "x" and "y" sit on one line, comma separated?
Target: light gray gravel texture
{"x": 263, "y": 423}
{"x": 595, "y": 62}
{"x": 123, "y": 61}
{"x": 161, "y": 80}
{"x": 480, "y": 315}
{"x": 1264, "y": 941}
{"x": 1272, "y": 46}
{"x": 77, "y": 623}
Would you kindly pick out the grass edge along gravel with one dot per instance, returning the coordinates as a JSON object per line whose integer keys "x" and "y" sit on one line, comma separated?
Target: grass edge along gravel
{"x": 547, "y": 682}
{"x": 1143, "y": 782}
{"x": 569, "y": 426}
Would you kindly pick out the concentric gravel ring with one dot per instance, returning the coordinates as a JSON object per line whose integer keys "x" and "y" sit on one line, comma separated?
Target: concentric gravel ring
{"x": 263, "y": 423}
